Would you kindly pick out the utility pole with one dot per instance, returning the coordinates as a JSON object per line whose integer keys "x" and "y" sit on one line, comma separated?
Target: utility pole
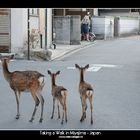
{"x": 28, "y": 14}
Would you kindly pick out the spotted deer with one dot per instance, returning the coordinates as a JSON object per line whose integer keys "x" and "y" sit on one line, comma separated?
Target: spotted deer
{"x": 21, "y": 81}
{"x": 86, "y": 92}
{"x": 59, "y": 93}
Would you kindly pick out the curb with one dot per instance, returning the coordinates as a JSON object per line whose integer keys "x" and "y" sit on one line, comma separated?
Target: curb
{"x": 59, "y": 57}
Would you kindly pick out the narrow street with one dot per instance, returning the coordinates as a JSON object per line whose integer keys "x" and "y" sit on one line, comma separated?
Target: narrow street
{"x": 114, "y": 73}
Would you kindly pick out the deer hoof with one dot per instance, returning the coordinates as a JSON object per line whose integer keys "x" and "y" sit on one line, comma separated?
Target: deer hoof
{"x": 81, "y": 119}
{"x": 40, "y": 120}
{"x": 17, "y": 117}
{"x": 31, "y": 120}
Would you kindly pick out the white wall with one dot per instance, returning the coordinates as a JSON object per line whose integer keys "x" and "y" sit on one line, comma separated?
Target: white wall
{"x": 49, "y": 27}
{"x": 109, "y": 27}
{"x": 42, "y": 24}
{"x": 128, "y": 25}
{"x": 130, "y": 14}
{"x": 103, "y": 27}
{"x": 34, "y": 22}
{"x": 95, "y": 11}
{"x": 18, "y": 28}
{"x": 98, "y": 25}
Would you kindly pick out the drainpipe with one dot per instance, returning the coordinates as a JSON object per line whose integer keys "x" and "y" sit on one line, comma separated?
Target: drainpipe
{"x": 52, "y": 28}
{"x": 46, "y": 28}
{"x": 41, "y": 41}
{"x": 28, "y": 14}
{"x": 139, "y": 22}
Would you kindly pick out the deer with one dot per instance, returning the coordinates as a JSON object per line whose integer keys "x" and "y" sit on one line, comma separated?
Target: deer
{"x": 24, "y": 81}
{"x": 86, "y": 92}
{"x": 59, "y": 93}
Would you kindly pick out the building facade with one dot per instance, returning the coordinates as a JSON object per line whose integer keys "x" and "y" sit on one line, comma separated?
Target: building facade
{"x": 14, "y": 25}
{"x": 14, "y": 28}
{"x": 5, "y": 30}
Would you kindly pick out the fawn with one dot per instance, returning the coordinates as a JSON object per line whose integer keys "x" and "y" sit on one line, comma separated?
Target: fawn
{"x": 86, "y": 92}
{"x": 59, "y": 93}
{"x": 20, "y": 81}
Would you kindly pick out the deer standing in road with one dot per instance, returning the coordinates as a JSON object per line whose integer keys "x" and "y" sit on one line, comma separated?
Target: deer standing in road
{"x": 59, "y": 93}
{"x": 86, "y": 92}
{"x": 20, "y": 81}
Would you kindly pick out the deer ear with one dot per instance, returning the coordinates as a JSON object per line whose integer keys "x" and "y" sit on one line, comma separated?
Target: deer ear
{"x": 87, "y": 66}
{"x": 58, "y": 72}
{"x": 49, "y": 72}
{"x": 77, "y": 66}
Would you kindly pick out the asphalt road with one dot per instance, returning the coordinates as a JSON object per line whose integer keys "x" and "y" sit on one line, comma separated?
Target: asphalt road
{"x": 114, "y": 73}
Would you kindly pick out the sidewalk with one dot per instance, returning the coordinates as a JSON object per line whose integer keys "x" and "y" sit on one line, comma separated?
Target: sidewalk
{"x": 53, "y": 54}
{"x": 62, "y": 50}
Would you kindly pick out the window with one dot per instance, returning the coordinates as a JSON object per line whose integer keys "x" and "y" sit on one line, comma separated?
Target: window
{"x": 34, "y": 11}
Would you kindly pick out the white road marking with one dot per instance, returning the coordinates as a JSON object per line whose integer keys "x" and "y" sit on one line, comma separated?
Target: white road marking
{"x": 96, "y": 67}
{"x": 72, "y": 68}
{"x": 104, "y": 65}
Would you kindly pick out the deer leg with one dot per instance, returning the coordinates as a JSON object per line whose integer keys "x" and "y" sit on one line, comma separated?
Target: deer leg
{"x": 83, "y": 109}
{"x": 53, "y": 107}
{"x": 65, "y": 112}
{"x": 91, "y": 107}
{"x": 35, "y": 108}
{"x": 82, "y": 105}
{"x": 17, "y": 100}
{"x": 41, "y": 99}
{"x": 62, "y": 103}
{"x": 62, "y": 115}
{"x": 65, "y": 109}
{"x": 81, "y": 100}
{"x": 42, "y": 108}
{"x": 86, "y": 107}
{"x": 58, "y": 110}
